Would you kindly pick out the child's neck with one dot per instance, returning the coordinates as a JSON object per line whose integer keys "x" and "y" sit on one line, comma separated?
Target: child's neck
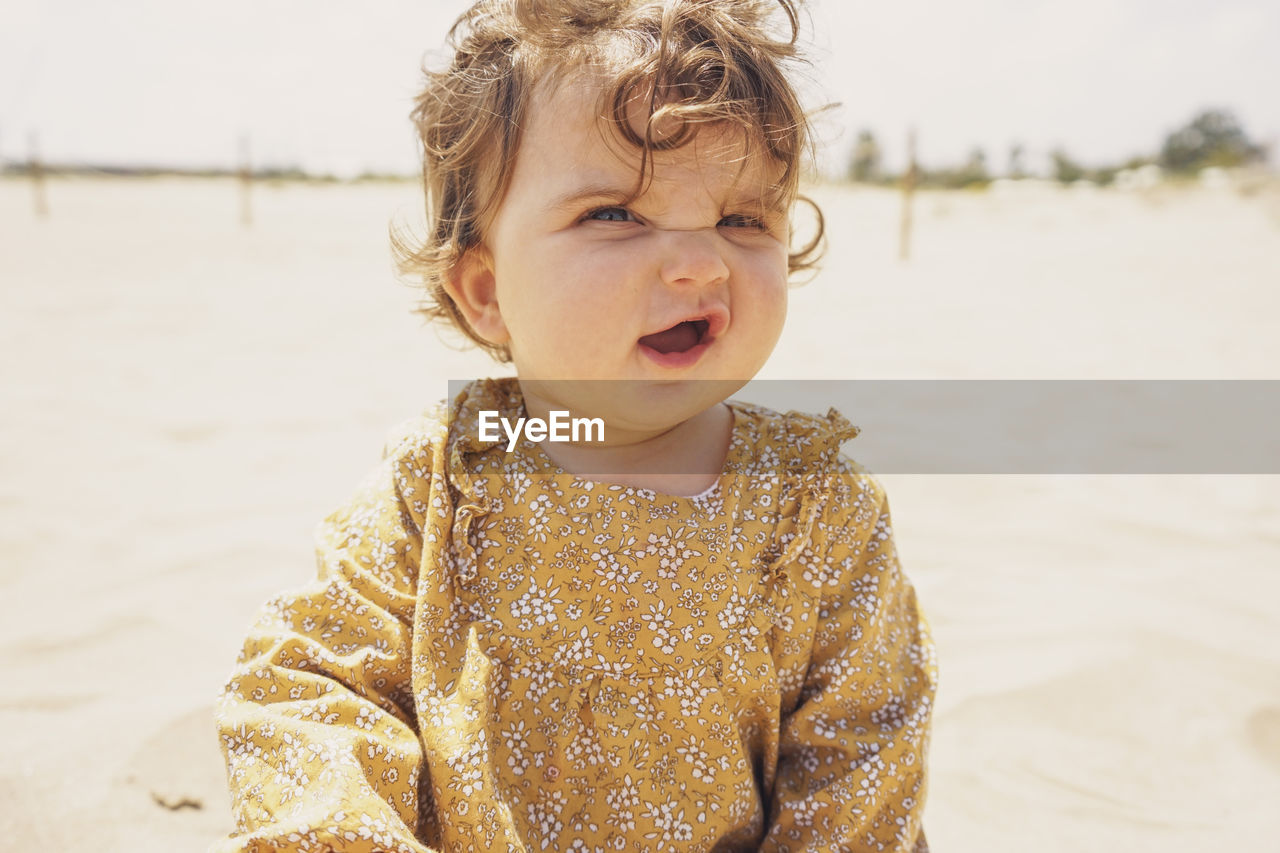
{"x": 686, "y": 459}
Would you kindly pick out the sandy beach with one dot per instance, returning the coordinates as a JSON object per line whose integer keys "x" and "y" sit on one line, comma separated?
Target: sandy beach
{"x": 184, "y": 397}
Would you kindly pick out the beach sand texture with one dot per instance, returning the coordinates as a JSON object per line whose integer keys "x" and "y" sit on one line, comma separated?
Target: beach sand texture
{"x": 184, "y": 398}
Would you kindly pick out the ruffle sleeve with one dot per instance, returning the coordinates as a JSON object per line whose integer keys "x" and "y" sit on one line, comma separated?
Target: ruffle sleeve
{"x": 317, "y": 721}
{"x": 851, "y": 760}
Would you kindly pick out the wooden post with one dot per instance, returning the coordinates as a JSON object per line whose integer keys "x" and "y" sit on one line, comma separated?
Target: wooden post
{"x": 36, "y": 169}
{"x": 909, "y": 177}
{"x": 246, "y": 181}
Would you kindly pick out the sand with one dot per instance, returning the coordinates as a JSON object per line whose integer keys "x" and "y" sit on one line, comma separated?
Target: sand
{"x": 184, "y": 397}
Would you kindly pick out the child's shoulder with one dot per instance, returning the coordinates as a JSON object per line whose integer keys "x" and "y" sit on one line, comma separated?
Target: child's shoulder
{"x": 419, "y": 434}
{"x": 444, "y": 421}
{"x": 794, "y": 441}
{"x": 438, "y": 441}
{"x": 807, "y": 449}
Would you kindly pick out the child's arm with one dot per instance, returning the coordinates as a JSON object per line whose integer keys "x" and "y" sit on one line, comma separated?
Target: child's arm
{"x": 851, "y": 768}
{"x": 317, "y": 720}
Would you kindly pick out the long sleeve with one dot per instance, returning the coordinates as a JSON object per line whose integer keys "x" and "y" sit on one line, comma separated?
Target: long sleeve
{"x": 317, "y": 720}
{"x": 851, "y": 767}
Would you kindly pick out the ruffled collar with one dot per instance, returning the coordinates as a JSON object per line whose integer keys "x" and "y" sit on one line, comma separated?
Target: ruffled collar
{"x": 483, "y": 395}
{"x": 765, "y": 442}
{"x": 800, "y": 449}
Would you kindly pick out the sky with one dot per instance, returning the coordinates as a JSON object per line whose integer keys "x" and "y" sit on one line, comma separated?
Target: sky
{"x": 327, "y": 85}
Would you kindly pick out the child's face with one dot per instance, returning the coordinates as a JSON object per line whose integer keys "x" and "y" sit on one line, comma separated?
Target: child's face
{"x": 687, "y": 281}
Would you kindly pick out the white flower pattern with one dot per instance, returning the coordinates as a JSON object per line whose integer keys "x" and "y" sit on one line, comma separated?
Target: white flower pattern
{"x": 498, "y": 658}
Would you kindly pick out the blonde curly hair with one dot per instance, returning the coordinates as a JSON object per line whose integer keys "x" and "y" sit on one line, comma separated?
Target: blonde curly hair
{"x": 692, "y": 62}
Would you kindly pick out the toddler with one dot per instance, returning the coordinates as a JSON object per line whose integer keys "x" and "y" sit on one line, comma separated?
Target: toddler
{"x": 684, "y": 630}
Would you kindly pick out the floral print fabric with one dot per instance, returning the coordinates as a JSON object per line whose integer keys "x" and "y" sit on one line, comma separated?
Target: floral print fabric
{"x": 500, "y": 656}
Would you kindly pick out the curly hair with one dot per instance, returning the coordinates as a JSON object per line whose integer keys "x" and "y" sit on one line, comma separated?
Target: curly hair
{"x": 691, "y": 62}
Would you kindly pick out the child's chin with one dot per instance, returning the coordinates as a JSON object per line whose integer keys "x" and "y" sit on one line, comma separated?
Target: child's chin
{"x": 639, "y": 405}
{"x": 657, "y": 406}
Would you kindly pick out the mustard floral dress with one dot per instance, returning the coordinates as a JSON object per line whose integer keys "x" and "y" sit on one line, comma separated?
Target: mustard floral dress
{"x": 499, "y": 656}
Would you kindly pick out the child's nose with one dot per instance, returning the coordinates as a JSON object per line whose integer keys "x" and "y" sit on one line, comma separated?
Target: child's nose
{"x": 692, "y": 257}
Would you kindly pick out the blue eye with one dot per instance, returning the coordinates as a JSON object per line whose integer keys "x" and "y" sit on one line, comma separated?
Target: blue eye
{"x": 737, "y": 220}
{"x": 610, "y": 214}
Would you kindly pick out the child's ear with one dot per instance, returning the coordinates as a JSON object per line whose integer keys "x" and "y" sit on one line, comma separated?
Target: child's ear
{"x": 472, "y": 286}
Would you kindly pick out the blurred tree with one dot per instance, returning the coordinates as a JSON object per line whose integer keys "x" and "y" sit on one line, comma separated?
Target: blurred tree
{"x": 1104, "y": 176}
{"x": 1212, "y": 138}
{"x": 1017, "y": 161}
{"x": 1065, "y": 169}
{"x": 971, "y": 174}
{"x": 865, "y": 165}
{"x": 974, "y": 172}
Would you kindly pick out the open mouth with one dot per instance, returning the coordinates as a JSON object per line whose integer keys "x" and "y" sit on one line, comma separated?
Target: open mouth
{"x": 681, "y": 337}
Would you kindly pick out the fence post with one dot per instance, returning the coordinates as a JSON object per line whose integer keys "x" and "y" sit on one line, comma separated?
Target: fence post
{"x": 909, "y": 177}
{"x": 36, "y": 170}
{"x": 246, "y": 182}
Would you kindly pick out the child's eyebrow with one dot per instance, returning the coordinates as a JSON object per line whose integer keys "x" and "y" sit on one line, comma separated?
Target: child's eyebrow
{"x": 576, "y": 196}
{"x": 610, "y": 192}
